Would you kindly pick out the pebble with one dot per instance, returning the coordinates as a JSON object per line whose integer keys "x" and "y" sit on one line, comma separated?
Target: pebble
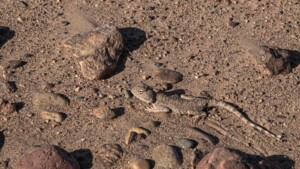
{"x": 186, "y": 143}
{"x": 16, "y": 64}
{"x": 6, "y": 107}
{"x": 49, "y": 100}
{"x": 127, "y": 94}
{"x": 22, "y": 4}
{"x": 151, "y": 125}
{"x": 166, "y": 156}
{"x": 48, "y": 157}
{"x": 109, "y": 154}
{"x": 139, "y": 164}
{"x": 53, "y": 116}
{"x": 104, "y": 113}
{"x": 167, "y": 76}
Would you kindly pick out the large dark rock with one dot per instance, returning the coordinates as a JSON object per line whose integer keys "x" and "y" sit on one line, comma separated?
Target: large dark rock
{"x": 48, "y": 157}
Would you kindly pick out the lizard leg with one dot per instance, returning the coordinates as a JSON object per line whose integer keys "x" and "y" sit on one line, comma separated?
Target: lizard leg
{"x": 197, "y": 115}
{"x": 158, "y": 109}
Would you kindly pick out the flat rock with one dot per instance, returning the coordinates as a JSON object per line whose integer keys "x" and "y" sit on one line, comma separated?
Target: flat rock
{"x": 49, "y": 101}
{"x": 109, "y": 154}
{"x": 167, "y": 76}
{"x": 96, "y": 52}
{"x": 48, "y": 157}
{"x": 271, "y": 61}
{"x": 166, "y": 156}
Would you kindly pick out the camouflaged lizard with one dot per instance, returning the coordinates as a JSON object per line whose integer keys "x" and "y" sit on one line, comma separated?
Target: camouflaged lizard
{"x": 189, "y": 106}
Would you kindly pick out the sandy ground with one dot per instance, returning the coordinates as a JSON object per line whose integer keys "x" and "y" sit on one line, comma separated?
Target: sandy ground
{"x": 202, "y": 39}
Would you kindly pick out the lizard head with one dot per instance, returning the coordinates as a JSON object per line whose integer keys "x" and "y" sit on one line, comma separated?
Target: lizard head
{"x": 144, "y": 93}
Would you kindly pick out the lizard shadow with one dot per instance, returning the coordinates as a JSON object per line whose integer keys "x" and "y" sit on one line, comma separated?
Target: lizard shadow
{"x": 133, "y": 38}
{"x": 274, "y": 161}
{"x": 84, "y": 157}
{"x": 5, "y": 34}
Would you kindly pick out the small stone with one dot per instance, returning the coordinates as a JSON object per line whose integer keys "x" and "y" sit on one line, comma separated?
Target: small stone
{"x": 109, "y": 154}
{"x": 47, "y": 86}
{"x": 167, "y": 76}
{"x": 22, "y": 4}
{"x": 48, "y": 157}
{"x": 49, "y": 100}
{"x": 166, "y": 157}
{"x": 16, "y": 64}
{"x": 145, "y": 77}
{"x": 112, "y": 97}
{"x": 96, "y": 53}
{"x": 151, "y": 125}
{"x": 53, "y": 116}
{"x": 77, "y": 89}
{"x": 127, "y": 94}
{"x": 186, "y": 143}
{"x": 104, "y": 113}
{"x": 6, "y": 107}
{"x": 139, "y": 164}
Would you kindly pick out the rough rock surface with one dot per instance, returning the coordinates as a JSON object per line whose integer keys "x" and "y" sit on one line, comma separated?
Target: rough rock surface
{"x": 272, "y": 61}
{"x": 166, "y": 156}
{"x": 48, "y": 157}
{"x": 222, "y": 158}
{"x": 96, "y": 52}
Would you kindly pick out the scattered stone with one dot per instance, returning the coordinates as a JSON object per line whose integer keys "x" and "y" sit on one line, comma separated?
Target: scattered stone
{"x": 186, "y": 143}
{"x": 134, "y": 132}
{"x": 127, "y": 94}
{"x": 47, "y": 86}
{"x": 97, "y": 52}
{"x": 53, "y": 116}
{"x": 167, "y": 76}
{"x": 15, "y": 64}
{"x": 222, "y": 158}
{"x": 49, "y": 101}
{"x": 6, "y": 107}
{"x": 48, "y": 157}
{"x": 166, "y": 157}
{"x": 233, "y": 23}
{"x": 145, "y": 77}
{"x": 109, "y": 154}
{"x": 271, "y": 61}
{"x": 8, "y": 86}
{"x": 151, "y": 125}
{"x": 104, "y": 113}
{"x": 22, "y": 4}
{"x": 139, "y": 164}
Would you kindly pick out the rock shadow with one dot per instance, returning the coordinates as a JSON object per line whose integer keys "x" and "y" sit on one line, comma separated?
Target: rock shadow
{"x": 2, "y": 139}
{"x": 5, "y": 34}
{"x": 84, "y": 157}
{"x": 295, "y": 57}
{"x": 133, "y": 38}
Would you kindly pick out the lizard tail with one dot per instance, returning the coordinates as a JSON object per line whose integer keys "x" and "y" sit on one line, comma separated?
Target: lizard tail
{"x": 230, "y": 108}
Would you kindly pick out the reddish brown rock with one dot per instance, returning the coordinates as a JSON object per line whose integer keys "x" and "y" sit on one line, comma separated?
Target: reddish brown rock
{"x": 272, "y": 61}
{"x": 48, "y": 157}
{"x": 222, "y": 158}
{"x": 97, "y": 52}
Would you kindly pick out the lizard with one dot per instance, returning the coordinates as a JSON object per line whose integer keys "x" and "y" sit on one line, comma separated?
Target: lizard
{"x": 188, "y": 106}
